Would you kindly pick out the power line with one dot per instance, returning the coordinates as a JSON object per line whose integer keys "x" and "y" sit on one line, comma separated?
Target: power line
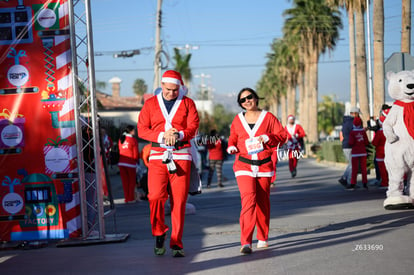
{"x": 240, "y": 66}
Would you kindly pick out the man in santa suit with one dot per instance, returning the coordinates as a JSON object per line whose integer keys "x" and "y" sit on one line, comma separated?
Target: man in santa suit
{"x": 295, "y": 134}
{"x": 169, "y": 120}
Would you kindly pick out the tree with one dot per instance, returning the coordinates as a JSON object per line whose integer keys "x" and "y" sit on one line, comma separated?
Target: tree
{"x": 222, "y": 120}
{"x": 317, "y": 25}
{"x": 361, "y": 59}
{"x": 139, "y": 87}
{"x": 182, "y": 65}
{"x": 101, "y": 85}
{"x": 349, "y": 7}
{"x": 287, "y": 64}
{"x": 406, "y": 26}
{"x": 269, "y": 87}
{"x": 330, "y": 114}
{"x": 206, "y": 123}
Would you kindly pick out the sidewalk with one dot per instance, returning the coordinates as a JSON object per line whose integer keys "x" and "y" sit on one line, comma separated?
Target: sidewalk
{"x": 316, "y": 227}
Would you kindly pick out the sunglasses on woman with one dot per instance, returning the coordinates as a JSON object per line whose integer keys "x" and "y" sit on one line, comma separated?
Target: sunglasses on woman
{"x": 243, "y": 100}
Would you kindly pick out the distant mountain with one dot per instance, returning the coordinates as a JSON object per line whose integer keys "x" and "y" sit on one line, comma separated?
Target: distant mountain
{"x": 228, "y": 101}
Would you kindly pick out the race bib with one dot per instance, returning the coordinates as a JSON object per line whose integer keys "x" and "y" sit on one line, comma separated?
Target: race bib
{"x": 253, "y": 145}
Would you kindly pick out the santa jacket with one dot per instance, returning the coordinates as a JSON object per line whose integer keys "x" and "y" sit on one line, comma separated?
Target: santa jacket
{"x": 215, "y": 150}
{"x": 154, "y": 121}
{"x": 379, "y": 142}
{"x": 128, "y": 152}
{"x": 267, "y": 126}
{"x": 295, "y": 132}
{"x": 358, "y": 139}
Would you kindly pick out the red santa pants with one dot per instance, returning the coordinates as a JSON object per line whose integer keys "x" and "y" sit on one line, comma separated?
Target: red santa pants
{"x": 161, "y": 184}
{"x": 129, "y": 181}
{"x": 293, "y": 159}
{"x": 255, "y": 207}
{"x": 356, "y": 161}
{"x": 274, "y": 160}
{"x": 383, "y": 172}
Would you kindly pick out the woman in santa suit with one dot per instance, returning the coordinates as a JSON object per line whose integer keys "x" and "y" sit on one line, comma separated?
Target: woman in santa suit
{"x": 169, "y": 120}
{"x": 254, "y": 135}
{"x": 295, "y": 134}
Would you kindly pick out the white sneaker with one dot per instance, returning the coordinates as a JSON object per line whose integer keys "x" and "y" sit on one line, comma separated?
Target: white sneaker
{"x": 262, "y": 244}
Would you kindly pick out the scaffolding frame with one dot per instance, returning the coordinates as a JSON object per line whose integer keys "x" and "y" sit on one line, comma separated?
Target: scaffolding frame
{"x": 84, "y": 91}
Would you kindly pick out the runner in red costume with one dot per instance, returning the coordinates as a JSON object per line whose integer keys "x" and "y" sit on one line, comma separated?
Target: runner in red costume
{"x": 358, "y": 140}
{"x": 379, "y": 143}
{"x": 295, "y": 133}
{"x": 128, "y": 160}
{"x": 169, "y": 120}
{"x": 254, "y": 134}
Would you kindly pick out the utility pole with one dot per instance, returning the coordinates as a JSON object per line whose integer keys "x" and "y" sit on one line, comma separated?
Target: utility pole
{"x": 157, "y": 54}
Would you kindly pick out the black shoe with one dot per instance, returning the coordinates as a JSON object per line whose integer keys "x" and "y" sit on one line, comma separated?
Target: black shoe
{"x": 220, "y": 185}
{"x": 294, "y": 173}
{"x": 246, "y": 249}
{"x": 365, "y": 186}
{"x": 159, "y": 248}
{"x": 177, "y": 252}
{"x": 350, "y": 187}
{"x": 343, "y": 182}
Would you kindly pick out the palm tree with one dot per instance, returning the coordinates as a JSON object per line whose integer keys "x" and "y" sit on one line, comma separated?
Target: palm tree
{"x": 318, "y": 27}
{"x": 267, "y": 87}
{"x": 287, "y": 62}
{"x": 139, "y": 87}
{"x": 269, "y": 93}
{"x": 361, "y": 58}
{"x": 293, "y": 68}
{"x": 357, "y": 8}
{"x": 101, "y": 85}
{"x": 330, "y": 114}
{"x": 349, "y": 7}
{"x": 273, "y": 85}
{"x": 406, "y": 26}
{"x": 182, "y": 65}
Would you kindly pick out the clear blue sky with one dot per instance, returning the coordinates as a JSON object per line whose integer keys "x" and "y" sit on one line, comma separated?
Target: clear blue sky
{"x": 233, "y": 39}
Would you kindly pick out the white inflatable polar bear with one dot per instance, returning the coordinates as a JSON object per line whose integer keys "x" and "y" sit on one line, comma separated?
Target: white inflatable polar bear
{"x": 398, "y": 129}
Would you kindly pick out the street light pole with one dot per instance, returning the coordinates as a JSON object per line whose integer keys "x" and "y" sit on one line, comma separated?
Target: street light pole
{"x": 371, "y": 111}
{"x": 202, "y": 76}
{"x": 157, "y": 54}
{"x": 187, "y": 48}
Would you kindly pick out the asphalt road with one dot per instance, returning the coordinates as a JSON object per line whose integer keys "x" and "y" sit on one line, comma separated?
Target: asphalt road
{"x": 316, "y": 227}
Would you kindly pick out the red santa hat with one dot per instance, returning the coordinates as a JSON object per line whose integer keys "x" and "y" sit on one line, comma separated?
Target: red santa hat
{"x": 171, "y": 76}
{"x": 357, "y": 121}
{"x": 291, "y": 117}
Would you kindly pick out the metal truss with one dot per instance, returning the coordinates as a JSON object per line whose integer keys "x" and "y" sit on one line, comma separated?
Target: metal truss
{"x": 91, "y": 176}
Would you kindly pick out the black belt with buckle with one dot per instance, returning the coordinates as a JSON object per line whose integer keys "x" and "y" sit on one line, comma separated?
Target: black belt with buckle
{"x": 256, "y": 162}
{"x": 177, "y": 144}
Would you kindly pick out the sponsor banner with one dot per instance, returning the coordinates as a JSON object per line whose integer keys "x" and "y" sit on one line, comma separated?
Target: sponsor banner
{"x": 38, "y": 168}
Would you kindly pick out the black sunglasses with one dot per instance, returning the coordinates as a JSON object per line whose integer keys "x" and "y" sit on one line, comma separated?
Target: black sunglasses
{"x": 243, "y": 100}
